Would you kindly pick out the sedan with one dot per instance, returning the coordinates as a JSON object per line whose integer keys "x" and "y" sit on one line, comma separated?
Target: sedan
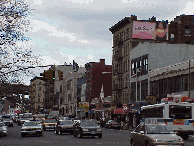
{"x": 8, "y": 122}
{"x": 3, "y": 129}
{"x": 22, "y": 120}
{"x": 31, "y": 128}
{"x": 64, "y": 126}
{"x": 155, "y": 135}
{"x": 113, "y": 125}
{"x": 87, "y": 128}
{"x": 49, "y": 124}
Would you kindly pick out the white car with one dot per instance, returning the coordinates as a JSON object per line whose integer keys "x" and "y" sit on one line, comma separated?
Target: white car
{"x": 31, "y": 128}
{"x": 2, "y": 126}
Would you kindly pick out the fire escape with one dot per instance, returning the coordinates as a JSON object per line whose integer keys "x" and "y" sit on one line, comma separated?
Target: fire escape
{"x": 117, "y": 72}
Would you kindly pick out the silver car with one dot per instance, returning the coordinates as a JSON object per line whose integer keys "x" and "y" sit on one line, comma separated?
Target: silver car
{"x": 155, "y": 135}
{"x": 3, "y": 128}
{"x": 31, "y": 128}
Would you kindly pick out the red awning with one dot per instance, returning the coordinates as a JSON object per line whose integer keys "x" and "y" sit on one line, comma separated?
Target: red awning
{"x": 119, "y": 111}
{"x": 17, "y": 112}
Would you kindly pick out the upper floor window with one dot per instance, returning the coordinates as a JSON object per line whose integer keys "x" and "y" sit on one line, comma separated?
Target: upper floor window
{"x": 187, "y": 30}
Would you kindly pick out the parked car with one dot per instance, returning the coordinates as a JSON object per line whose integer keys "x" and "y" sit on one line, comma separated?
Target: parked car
{"x": 87, "y": 128}
{"x": 49, "y": 124}
{"x": 8, "y": 122}
{"x": 64, "y": 126}
{"x": 3, "y": 128}
{"x": 108, "y": 123}
{"x": 22, "y": 120}
{"x": 31, "y": 128}
{"x": 154, "y": 135}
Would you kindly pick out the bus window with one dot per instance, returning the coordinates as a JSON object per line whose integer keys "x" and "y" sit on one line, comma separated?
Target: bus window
{"x": 180, "y": 112}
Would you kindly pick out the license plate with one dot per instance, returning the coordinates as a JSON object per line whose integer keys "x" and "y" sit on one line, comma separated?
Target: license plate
{"x": 31, "y": 133}
{"x": 92, "y": 132}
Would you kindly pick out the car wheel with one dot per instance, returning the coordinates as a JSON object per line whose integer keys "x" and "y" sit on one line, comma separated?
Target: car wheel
{"x": 59, "y": 132}
{"x": 100, "y": 136}
{"x": 132, "y": 142}
{"x": 56, "y": 132}
{"x": 22, "y": 135}
{"x": 79, "y": 135}
{"x": 185, "y": 137}
{"x": 75, "y": 135}
{"x": 147, "y": 143}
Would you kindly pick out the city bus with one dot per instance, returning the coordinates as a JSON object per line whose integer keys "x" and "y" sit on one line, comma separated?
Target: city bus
{"x": 178, "y": 116}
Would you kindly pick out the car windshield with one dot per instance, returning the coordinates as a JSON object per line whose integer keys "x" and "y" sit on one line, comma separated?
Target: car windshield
{"x": 1, "y": 124}
{"x": 6, "y": 119}
{"x": 23, "y": 118}
{"x": 41, "y": 120}
{"x": 30, "y": 124}
{"x": 66, "y": 122}
{"x": 88, "y": 123}
{"x": 158, "y": 129}
{"x": 50, "y": 121}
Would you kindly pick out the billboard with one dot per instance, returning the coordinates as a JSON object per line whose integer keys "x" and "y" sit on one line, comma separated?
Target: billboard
{"x": 150, "y": 30}
{"x": 84, "y": 105}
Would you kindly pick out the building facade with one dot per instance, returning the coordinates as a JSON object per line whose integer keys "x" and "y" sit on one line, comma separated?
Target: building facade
{"x": 98, "y": 74}
{"x": 37, "y": 95}
{"x": 164, "y": 67}
{"x": 181, "y": 30}
{"x": 125, "y": 38}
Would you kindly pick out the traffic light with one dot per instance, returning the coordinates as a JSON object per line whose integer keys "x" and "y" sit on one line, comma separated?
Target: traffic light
{"x": 60, "y": 73}
{"x": 53, "y": 75}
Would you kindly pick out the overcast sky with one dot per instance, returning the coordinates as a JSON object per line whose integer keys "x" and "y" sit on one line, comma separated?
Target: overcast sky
{"x": 67, "y": 30}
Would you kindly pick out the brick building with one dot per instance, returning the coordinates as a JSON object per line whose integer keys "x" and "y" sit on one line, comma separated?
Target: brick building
{"x": 98, "y": 74}
{"x": 181, "y": 30}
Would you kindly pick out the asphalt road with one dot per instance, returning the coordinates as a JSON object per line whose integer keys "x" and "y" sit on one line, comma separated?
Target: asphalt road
{"x": 49, "y": 138}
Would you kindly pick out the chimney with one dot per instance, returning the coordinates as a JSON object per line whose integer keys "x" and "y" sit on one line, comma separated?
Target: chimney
{"x": 102, "y": 61}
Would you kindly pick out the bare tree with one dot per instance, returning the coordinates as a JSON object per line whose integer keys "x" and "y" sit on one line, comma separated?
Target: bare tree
{"x": 16, "y": 55}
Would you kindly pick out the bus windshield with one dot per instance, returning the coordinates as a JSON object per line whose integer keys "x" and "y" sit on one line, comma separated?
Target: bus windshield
{"x": 156, "y": 112}
{"x": 180, "y": 112}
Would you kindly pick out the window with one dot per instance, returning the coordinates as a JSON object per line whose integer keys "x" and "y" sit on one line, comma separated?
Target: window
{"x": 127, "y": 33}
{"x": 39, "y": 88}
{"x": 60, "y": 88}
{"x": 39, "y": 82}
{"x": 38, "y": 94}
{"x": 69, "y": 97}
{"x": 143, "y": 128}
{"x": 138, "y": 128}
{"x": 187, "y": 30}
{"x": 38, "y": 99}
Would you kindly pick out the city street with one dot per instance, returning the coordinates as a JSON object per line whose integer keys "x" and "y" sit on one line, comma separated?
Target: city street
{"x": 110, "y": 137}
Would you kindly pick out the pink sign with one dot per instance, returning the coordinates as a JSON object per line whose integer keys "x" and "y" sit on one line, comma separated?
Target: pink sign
{"x": 150, "y": 30}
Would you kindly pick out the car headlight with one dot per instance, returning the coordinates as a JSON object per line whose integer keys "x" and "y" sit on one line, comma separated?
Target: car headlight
{"x": 99, "y": 129}
{"x": 179, "y": 140}
{"x": 157, "y": 140}
{"x": 85, "y": 129}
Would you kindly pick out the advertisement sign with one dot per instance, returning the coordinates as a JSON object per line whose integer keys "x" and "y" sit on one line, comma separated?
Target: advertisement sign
{"x": 150, "y": 30}
{"x": 178, "y": 121}
{"x": 84, "y": 105}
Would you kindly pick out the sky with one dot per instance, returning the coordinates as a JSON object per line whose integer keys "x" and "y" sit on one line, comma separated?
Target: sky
{"x": 66, "y": 30}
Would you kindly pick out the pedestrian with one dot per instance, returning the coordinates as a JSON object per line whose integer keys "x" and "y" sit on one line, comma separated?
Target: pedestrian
{"x": 122, "y": 124}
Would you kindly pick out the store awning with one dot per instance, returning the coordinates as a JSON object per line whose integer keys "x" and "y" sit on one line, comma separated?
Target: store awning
{"x": 119, "y": 111}
{"x": 17, "y": 112}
